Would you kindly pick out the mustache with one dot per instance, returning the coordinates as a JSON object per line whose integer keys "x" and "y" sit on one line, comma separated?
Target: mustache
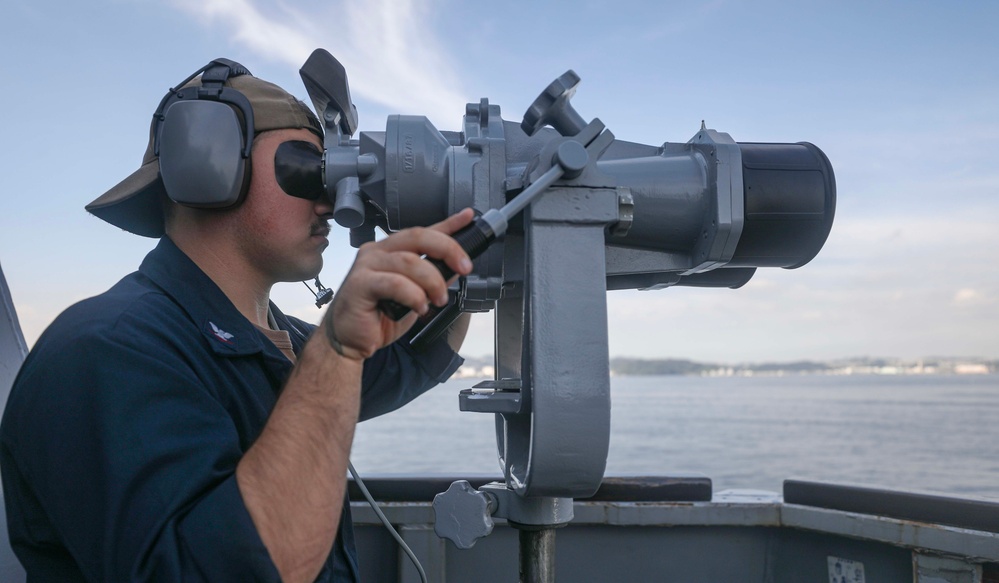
{"x": 320, "y": 228}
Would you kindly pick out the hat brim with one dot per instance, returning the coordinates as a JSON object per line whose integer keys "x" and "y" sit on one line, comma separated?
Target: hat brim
{"x": 136, "y": 203}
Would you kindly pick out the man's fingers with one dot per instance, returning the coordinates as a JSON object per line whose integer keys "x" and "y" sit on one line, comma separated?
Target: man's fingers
{"x": 411, "y": 266}
{"x": 455, "y": 222}
{"x": 460, "y": 263}
{"x": 394, "y": 269}
{"x": 434, "y": 241}
{"x": 386, "y": 285}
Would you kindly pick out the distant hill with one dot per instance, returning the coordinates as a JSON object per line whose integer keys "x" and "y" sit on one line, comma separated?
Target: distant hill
{"x": 673, "y": 366}
{"x": 623, "y": 366}
{"x": 666, "y": 366}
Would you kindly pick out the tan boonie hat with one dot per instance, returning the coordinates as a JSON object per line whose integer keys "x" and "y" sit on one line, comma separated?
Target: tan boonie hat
{"x": 135, "y": 203}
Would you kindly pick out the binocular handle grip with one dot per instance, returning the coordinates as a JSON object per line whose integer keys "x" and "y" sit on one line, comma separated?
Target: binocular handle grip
{"x": 474, "y": 238}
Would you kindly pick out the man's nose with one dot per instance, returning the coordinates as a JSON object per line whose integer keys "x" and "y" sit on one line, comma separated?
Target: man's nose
{"x": 323, "y": 207}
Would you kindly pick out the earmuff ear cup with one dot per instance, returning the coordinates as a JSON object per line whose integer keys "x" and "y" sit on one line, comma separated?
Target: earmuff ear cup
{"x": 201, "y": 146}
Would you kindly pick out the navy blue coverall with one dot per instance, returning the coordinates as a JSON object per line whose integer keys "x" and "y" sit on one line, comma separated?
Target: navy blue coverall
{"x": 122, "y": 433}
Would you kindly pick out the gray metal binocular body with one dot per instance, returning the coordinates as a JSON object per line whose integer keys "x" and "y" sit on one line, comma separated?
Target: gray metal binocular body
{"x": 602, "y": 214}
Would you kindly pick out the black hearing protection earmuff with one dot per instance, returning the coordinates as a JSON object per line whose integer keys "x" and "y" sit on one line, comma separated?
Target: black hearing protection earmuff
{"x": 203, "y": 137}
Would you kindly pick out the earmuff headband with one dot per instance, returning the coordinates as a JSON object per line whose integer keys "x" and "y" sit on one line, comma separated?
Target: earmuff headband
{"x": 213, "y": 77}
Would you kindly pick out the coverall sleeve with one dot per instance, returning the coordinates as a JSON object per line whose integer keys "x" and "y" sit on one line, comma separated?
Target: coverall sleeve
{"x": 396, "y": 374}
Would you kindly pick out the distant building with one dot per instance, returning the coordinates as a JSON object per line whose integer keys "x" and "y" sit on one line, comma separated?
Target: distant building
{"x": 971, "y": 368}
{"x": 467, "y": 371}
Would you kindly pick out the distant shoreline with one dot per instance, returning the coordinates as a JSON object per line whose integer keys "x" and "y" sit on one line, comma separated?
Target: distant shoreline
{"x": 482, "y": 367}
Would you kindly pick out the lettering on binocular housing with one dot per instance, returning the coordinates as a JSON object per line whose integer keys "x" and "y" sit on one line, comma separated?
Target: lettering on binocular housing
{"x": 408, "y": 156}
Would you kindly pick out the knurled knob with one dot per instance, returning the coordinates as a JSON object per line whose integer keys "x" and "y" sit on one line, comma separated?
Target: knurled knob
{"x": 552, "y": 108}
{"x": 462, "y": 514}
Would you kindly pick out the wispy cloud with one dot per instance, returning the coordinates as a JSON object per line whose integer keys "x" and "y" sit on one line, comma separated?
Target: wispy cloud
{"x": 969, "y": 297}
{"x": 387, "y": 46}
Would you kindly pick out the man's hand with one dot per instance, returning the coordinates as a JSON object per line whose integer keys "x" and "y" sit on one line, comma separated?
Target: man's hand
{"x": 393, "y": 269}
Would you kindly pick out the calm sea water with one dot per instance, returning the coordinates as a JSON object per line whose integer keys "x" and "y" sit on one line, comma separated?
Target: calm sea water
{"x": 933, "y": 433}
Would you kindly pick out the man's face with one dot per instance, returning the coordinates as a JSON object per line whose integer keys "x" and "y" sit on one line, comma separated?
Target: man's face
{"x": 282, "y": 236}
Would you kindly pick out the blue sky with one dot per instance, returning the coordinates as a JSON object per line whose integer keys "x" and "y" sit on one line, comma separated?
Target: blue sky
{"x": 902, "y": 97}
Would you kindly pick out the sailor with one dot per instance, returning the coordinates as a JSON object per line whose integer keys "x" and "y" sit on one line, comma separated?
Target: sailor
{"x": 180, "y": 427}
